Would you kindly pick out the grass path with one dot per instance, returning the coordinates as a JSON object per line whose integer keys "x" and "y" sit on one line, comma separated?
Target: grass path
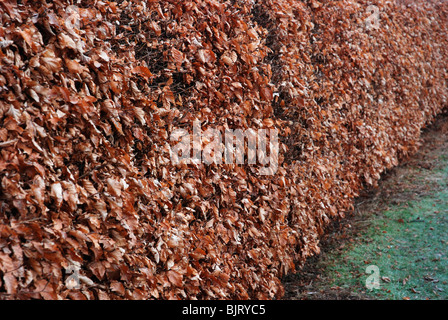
{"x": 395, "y": 246}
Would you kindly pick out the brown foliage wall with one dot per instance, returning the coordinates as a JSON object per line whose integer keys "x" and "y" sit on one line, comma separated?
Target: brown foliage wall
{"x": 89, "y": 96}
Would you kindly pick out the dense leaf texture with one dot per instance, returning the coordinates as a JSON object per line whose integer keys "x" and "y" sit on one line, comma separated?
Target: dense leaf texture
{"x": 90, "y": 96}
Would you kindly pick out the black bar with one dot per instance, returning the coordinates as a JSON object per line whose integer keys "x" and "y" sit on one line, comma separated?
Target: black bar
{"x": 228, "y": 309}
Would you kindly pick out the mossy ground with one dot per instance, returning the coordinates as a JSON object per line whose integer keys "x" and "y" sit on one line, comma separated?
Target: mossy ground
{"x": 400, "y": 228}
{"x": 408, "y": 243}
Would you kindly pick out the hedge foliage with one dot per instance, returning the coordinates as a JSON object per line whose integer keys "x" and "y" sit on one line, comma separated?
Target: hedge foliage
{"x": 90, "y": 94}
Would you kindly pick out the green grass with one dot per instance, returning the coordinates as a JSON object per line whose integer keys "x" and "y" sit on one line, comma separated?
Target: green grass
{"x": 408, "y": 243}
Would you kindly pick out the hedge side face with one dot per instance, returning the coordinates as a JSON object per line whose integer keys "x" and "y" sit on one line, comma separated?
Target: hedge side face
{"x": 94, "y": 98}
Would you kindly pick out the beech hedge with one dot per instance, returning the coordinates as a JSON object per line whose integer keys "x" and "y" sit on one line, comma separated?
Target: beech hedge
{"x": 91, "y": 205}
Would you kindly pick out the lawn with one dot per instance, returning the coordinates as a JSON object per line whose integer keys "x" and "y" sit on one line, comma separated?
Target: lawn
{"x": 395, "y": 245}
{"x": 407, "y": 245}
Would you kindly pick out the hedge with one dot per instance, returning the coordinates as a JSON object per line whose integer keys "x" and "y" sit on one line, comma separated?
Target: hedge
{"x": 92, "y": 205}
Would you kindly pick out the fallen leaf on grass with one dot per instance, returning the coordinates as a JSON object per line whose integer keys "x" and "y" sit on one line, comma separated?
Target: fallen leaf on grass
{"x": 385, "y": 279}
